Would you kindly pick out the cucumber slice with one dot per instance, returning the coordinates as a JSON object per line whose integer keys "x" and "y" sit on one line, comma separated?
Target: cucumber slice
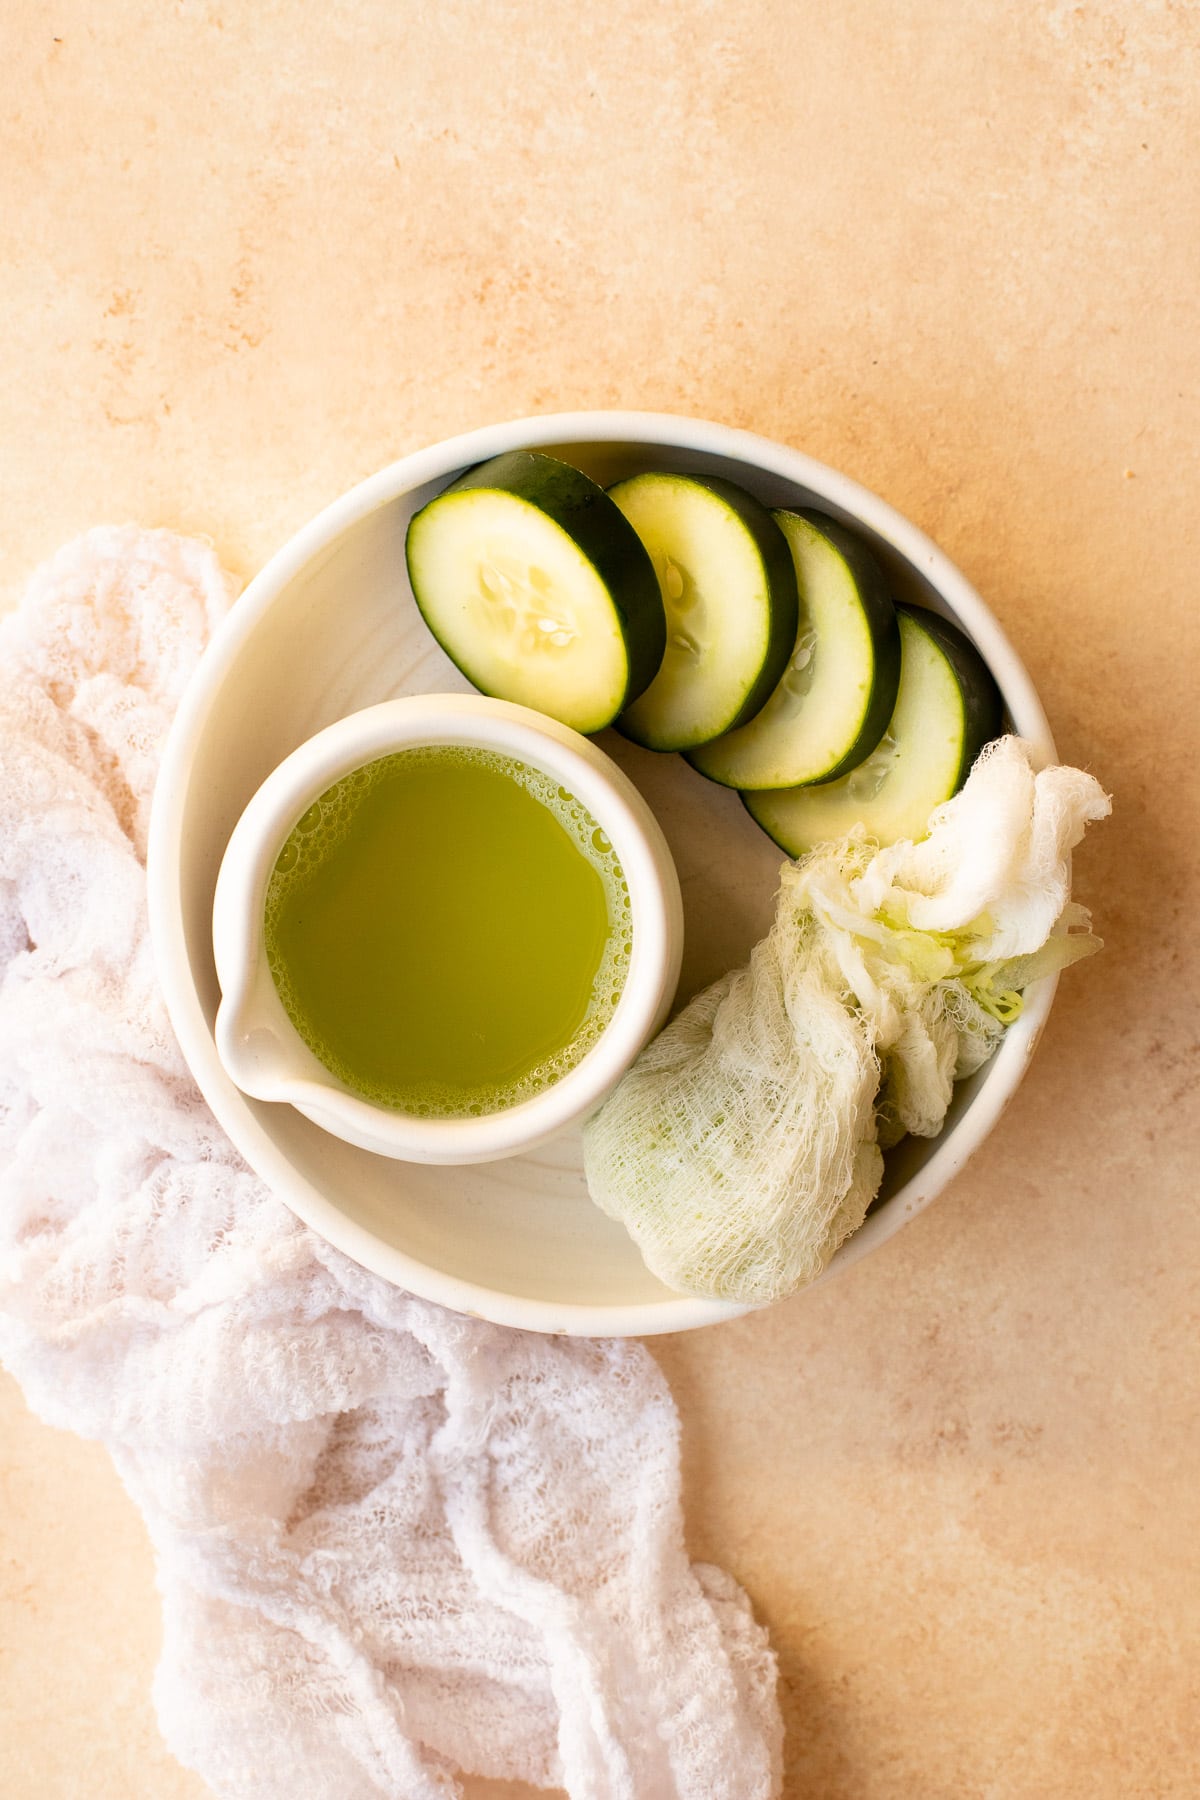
{"x": 729, "y": 592}
{"x": 538, "y": 588}
{"x": 947, "y": 709}
{"x": 838, "y": 690}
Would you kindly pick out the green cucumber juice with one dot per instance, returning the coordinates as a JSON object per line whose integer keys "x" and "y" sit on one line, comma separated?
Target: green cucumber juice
{"x": 448, "y": 930}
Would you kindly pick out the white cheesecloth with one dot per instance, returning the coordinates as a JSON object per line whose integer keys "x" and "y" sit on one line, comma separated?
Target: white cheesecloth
{"x": 392, "y": 1543}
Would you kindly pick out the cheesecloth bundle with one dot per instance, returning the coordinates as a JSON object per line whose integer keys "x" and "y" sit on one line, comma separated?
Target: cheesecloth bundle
{"x": 392, "y": 1543}
{"x": 745, "y": 1144}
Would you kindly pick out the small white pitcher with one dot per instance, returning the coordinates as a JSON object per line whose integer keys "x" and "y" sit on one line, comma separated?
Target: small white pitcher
{"x": 259, "y": 1046}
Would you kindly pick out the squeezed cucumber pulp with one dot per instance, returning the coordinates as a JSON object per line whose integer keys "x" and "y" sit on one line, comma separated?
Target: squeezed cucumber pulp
{"x": 448, "y": 930}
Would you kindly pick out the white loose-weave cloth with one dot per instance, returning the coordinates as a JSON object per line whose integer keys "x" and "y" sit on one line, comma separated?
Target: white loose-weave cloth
{"x": 393, "y": 1544}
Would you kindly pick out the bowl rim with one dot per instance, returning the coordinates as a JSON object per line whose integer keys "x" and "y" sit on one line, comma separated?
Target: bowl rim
{"x": 366, "y": 736}
{"x": 440, "y": 461}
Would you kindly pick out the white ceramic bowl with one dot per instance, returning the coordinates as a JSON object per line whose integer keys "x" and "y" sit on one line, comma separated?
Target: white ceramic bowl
{"x": 257, "y": 1042}
{"x": 329, "y": 626}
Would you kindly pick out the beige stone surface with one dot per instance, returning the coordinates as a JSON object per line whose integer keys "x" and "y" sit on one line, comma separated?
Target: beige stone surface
{"x": 250, "y": 253}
